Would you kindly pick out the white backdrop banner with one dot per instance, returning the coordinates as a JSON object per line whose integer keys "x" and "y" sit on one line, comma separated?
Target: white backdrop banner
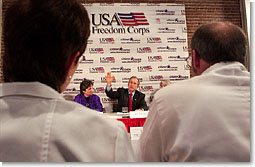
{"x": 147, "y": 40}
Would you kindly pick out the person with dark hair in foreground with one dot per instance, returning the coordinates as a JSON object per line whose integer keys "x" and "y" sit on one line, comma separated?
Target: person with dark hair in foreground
{"x": 130, "y": 97}
{"x": 86, "y": 96}
{"x": 43, "y": 42}
{"x": 205, "y": 118}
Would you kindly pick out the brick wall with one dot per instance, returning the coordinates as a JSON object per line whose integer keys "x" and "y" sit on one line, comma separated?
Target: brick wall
{"x": 198, "y": 12}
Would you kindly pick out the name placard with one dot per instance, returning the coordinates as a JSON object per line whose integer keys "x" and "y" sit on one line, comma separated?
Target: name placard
{"x": 138, "y": 114}
{"x": 135, "y": 132}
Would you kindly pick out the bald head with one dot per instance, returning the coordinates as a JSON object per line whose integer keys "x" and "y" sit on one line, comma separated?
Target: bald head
{"x": 220, "y": 42}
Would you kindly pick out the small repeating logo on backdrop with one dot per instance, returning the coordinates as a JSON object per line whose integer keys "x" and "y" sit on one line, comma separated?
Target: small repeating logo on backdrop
{"x": 77, "y": 80}
{"x": 176, "y": 40}
{"x": 166, "y": 49}
{"x": 78, "y": 71}
{"x": 166, "y": 30}
{"x": 165, "y": 12}
{"x": 109, "y": 100}
{"x": 99, "y": 89}
{"x": 154, "y": 40}
{"x": 144, "y": 50}
{"x": 144, "y": 68}
{"x": 167, "y": 68}
{"x": 103, "y": 80}
{"x": 96, "y": 70}
{"x": 96, "y": 50}
{"x": 126, "y": 80}
{"x": 155, "y": 58}
{"x": 175, "y": 21}
{"x": 71, "y": 91}
{"x": 155, "y": 77}
{"x": 178, "y": 77}
{"x": 86, "y": 61}
{"x": 131, "y": 60}
{"x": 119, "y": 50}
{"x": 107, "y": 60}
{"x": 177, "y": 58}
{"x": 146, "y": 88}
{"x": 120, "y": 70}
{"x": 90, "y": 41}
{"x": 129, "y": 41}
{"x": 106, "y": 40}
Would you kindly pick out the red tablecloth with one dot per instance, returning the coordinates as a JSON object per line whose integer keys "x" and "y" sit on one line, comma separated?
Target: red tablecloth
{"x": 132, "y": 122}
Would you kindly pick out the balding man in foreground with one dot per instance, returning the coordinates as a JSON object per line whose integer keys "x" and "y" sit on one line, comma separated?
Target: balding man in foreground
{"x": 205, "y": 118}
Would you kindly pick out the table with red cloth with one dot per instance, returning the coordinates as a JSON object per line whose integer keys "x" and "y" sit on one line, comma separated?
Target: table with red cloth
{"x": 132, "y": 122}
{"x": 128, "y": 122}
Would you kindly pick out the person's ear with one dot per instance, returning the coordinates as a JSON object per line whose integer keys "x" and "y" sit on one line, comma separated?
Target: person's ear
{"x": 199, "y": 65}
{"x": 72, "y": 61}
{"x": 195, "y": 60}
{"x": 72, "y": 66}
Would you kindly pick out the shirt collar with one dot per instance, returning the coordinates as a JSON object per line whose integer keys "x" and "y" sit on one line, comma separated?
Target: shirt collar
{"x": 132, "y": 93}
{"x": 35, "y": 89}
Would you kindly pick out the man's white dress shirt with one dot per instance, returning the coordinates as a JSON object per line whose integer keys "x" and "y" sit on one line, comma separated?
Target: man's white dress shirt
{"x": 39, "y": 125}
{"x": 204, "y": 119}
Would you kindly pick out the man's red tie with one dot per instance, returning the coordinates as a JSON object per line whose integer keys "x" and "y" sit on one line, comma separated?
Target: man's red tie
{"x": 130, "y": 103}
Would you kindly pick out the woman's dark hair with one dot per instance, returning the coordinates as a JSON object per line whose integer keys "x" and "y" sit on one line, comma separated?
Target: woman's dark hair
{"x": 40, "y": 39}
{"x": 85, "y": 84}
{"x": 220, "y": 42}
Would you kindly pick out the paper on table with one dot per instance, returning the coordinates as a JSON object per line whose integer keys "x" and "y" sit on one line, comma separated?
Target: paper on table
{"x": 138, "y": 114}
{"x": 135, "y": 132}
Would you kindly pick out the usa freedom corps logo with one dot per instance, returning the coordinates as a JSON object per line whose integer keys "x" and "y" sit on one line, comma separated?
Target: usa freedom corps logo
{"x": 146, "y": 88}
{"x": 144, "y": 69}
{"x": 120, "y": 23}
{"x": 103, "y": 80}
{"x": 99, "y": 90}
{"x": 154, "y": 40}
{"x": 144, "y": 50}
{"x": 96, "y": 50}
{"x": 109, "y": 100}
{"x": 154, "y": 58}
{"x": 106, "y": 40}
{"x": 96, "y": 70}
{"x": 155, "y": 77}
{"x": 107, "y": 60}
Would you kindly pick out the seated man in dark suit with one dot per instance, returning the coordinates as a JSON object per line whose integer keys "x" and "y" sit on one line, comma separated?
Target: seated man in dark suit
{"x": 126, "y": 97}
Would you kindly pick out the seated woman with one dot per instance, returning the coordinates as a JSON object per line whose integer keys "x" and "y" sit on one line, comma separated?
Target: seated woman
{"x": 86, "y": 96}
